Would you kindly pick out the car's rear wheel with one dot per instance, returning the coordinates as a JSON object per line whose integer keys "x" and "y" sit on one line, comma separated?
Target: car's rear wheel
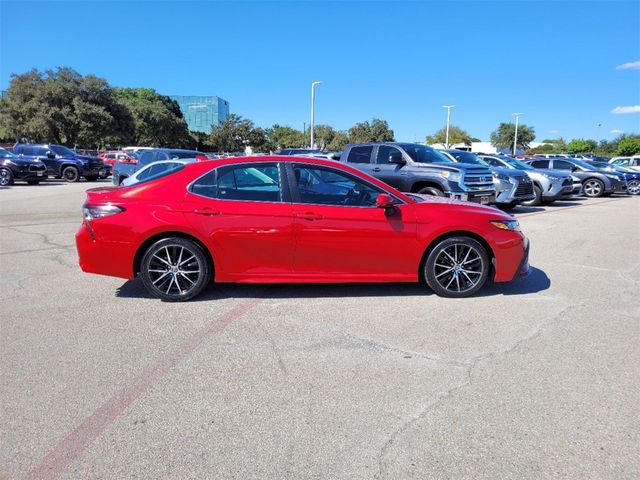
{"x": 457, "y": 267}
{"x": 633, "y": 187}
{"x": 175, "y": 269}
{"x": 593, "y": 187}
{"x": 6, "y": 177}
{"x": 71, "y": 174}
{"x": 537, "y": 199}
{"x": 436, "y": 192}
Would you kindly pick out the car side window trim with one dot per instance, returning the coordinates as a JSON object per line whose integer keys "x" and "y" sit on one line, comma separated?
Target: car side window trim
{"x": 295, "y": 194}
{"x": 285, "y": 193}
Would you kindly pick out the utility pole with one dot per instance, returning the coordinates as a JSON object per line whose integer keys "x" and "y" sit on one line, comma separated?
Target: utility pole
{"x": 448, "y": 107}
{"x": 313, "y": 106}
{"x": 515, "y": 137}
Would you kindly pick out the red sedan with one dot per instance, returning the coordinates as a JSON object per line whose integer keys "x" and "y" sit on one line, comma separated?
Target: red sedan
{"x": 291, "y": 220}
{"x": 111, "y": 158}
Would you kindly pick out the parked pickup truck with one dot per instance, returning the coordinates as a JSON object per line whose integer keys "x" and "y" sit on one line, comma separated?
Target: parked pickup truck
{"x": 125, "y": 170}
{"x": 415, "y": 168}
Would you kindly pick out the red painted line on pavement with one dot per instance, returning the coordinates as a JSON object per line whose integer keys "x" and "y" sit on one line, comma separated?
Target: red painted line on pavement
{"x": 54, "y": 464}
{"x": 562, "y": 209}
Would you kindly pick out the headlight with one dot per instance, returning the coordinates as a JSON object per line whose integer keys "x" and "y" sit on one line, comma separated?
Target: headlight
{"x": 553, "y": 178}
{"x": 453, "y": 176}
{"x": 614, "y": 177}
{"x": 511, "y": 225}
{"x": 91, "y": 212}
{"x": 501, "y": 176}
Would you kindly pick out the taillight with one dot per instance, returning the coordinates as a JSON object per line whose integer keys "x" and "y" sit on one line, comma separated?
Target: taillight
{"x": 91, "y": 212}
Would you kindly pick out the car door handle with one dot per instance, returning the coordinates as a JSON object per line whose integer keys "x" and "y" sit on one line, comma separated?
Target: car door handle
{"x": 207, "y": 211}
{"x": 375, "y": 169}
{"x": 309, "y": 216}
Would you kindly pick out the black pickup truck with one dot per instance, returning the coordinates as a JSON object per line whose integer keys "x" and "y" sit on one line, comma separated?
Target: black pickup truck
{"x": 416, "y": 168}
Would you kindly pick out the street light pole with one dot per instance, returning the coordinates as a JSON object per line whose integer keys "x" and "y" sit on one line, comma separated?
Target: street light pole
{"x": 515, "y": 137}
{"x": 313, "y": 106}
{"x": 448, "y": 107}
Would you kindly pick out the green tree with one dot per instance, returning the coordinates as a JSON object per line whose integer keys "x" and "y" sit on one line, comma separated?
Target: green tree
{"x": 236, "y": 133}
{"x": 376, "y": 131}
{"x": 629, "y": 145}
{"x": 339, "y": 141}
{"x": 550, "y": 145}
{"x": 285, "y": 136}
{"x": 62, "y": 106}
{"x": 504, "y": 135}
{"x": 580, "y": 145}
{"x": 157, "y": 118}
{"x": 456, "y": 135}
{"x": 323, "y": 135}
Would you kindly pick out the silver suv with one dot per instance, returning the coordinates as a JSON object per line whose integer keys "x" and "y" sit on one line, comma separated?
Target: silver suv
{"x": 548, "y": 185}
{"x": 513, "y": 187}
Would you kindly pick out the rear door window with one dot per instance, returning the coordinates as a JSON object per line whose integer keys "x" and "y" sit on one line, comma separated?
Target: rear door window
{"x": 562, "y": 165}
{"x": 360, "y": 155}
{"x": 255, "y": 183}
{"x": 540, "y": 164}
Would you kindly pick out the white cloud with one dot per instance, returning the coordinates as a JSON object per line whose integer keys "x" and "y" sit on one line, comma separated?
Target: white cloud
{"x": 629, "y": 66}
{"x": 554, "y": 131}
{"x": 629, "y": 109}
{"x": 616, "y": 131}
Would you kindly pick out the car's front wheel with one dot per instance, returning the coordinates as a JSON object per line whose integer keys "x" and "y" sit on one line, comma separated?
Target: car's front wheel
{"x": 593, "y": 187}
{"x": 536, "y": 200}
{"x": 436, "y": 192}
{"x": 457, "y": 267}
{"x": 175, "y": 269}
{"x": 6, "y": 177}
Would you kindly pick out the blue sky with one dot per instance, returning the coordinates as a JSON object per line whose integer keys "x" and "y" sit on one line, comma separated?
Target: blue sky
{"x": 400, "y": 61}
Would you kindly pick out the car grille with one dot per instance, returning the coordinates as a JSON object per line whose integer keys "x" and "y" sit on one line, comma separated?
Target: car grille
{"x": 37, "y": 168}
{"x": 525, "y": 187}
{"x": 478, "y": 179}
{"x": 567, "y": 181}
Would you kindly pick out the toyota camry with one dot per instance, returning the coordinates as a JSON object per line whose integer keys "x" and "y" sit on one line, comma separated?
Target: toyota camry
{"x": 291, "y": 220}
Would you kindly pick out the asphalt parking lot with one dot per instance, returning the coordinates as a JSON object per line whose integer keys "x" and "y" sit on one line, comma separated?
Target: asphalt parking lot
{"x": 536, "y": 379}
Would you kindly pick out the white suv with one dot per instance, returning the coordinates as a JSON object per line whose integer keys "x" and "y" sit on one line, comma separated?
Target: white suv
{"x": 630, "y": 162}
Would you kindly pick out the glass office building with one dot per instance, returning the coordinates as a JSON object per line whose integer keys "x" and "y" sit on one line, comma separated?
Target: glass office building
{"x": 202, "y": 112}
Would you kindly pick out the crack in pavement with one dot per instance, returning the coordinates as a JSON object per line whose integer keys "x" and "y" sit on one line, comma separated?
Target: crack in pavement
{"x": 45, "y": 238}
{"x": 471, "y": 364}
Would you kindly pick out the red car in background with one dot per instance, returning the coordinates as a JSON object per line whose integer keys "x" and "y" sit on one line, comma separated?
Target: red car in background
{"x": 112, "y": 158}
{"x": 291, "y": 220}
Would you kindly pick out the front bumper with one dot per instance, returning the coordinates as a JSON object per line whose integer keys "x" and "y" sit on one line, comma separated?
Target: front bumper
{"x": 524, "y": 269}
{"x": 507, "y": 192}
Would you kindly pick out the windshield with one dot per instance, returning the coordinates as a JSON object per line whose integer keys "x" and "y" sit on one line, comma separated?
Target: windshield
{"x": 515, "y": 163}
{"x": 7, "y": 154}
{"x": 60, "y": 150}
{"x": 467, "y": 157}
{"x": 422, "y": 154}
{"x": 584, "y": 164}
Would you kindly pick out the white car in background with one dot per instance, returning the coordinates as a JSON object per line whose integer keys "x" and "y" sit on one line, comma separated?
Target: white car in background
{"x": 629, "y": 162}
{"x": 156, "y": 170}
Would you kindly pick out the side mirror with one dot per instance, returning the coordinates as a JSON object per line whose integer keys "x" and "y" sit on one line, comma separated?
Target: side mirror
{"x": 397, "y": 159}
{"x": 387, "y": 202}
{"x": 50, "y": 154}
{"x": 574, "y": 169}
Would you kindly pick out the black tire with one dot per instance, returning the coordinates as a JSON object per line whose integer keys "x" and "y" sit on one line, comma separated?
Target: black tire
{"x": 537, "y": 200}
{"x": 456, "y": 267}
{"x": 175, "y": 269}
{"x": 592, "y": 188}
{"x": 70, "y": 174}
{"x": 6, "y": 177}
{"x": 436, "y": 192}
{"x": 91, "y": 178}
{"x": 33, "y": 182}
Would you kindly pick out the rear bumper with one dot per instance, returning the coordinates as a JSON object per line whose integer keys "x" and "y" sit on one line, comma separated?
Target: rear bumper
{"x": 104, "y": 258}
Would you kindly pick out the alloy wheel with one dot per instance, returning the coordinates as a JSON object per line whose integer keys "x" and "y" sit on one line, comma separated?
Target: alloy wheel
{"x": 174, "y": 270}
{"x": 593, "y": 188}
{"x": 5, "y": 177}
{"x": 633, "y": 187}
{"x": 459, "y": 268}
